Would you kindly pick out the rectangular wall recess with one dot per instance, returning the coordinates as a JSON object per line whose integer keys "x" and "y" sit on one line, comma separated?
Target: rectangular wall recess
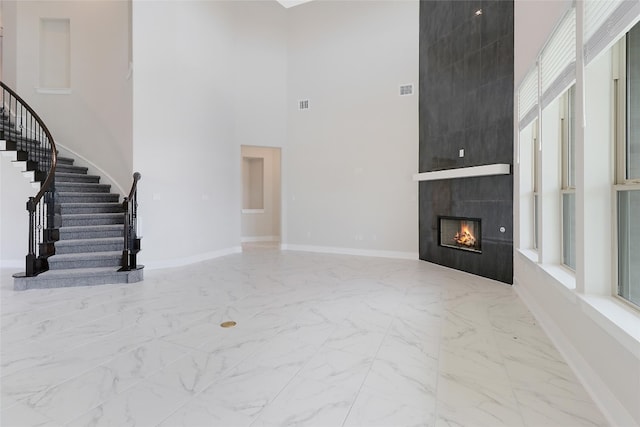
{"x": 55, "y": 53}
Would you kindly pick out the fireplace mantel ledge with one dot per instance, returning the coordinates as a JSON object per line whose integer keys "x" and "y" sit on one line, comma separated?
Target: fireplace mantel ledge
{"x": 484, "y": 170}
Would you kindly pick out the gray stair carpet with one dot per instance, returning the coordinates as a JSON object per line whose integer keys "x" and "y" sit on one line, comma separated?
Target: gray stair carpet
{"x": 89, "y": 251}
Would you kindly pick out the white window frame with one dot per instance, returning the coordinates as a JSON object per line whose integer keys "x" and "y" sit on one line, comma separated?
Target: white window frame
{"x": 535, "y": 170}
{"x": 621, "y": 183}
{"x": 566, "y": 186}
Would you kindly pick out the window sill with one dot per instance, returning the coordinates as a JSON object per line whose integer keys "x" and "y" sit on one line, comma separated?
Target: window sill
{"x": 561, "y": 274}
{"x": 252, "y": 211}
{"x": 531, "y": 254}
{"x": 618, "y": 319}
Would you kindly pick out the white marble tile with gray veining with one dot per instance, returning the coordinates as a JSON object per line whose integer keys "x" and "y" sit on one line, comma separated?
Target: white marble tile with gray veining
{"x": 320, "y": 339}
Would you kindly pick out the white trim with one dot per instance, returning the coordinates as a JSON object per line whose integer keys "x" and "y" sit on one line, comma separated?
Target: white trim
{"x": 252, "y": 211}
{"x": 609, "y": 405}
{"x": 180, "y": 262}
{"x": 484, "y": 170}
{"x": 248, "y": 239}
{"x": 350, "y": 251}
{"x": 92, "y": 165}
{"x": 53, "y": 91}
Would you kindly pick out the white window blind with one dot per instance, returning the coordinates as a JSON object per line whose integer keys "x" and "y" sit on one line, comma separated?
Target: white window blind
{"x": 605, "y": 21}
{"x": 558, "y": 59}
{"x": 528, "y": 99}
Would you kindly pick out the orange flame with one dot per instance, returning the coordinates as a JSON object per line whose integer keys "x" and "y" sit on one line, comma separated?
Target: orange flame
{"x": 464, "y": 236}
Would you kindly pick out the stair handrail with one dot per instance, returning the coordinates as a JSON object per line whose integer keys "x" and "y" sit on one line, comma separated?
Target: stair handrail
{"x": 131, "y": 239}
{"x": 54, "y": 152}
{"x": 41, "y": 216}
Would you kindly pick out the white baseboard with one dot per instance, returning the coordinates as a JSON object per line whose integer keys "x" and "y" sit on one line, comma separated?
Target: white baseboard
{"x": 350, "y": 251}
{"x": 180, "y": 262}
{"x": 606, "y": 401}
{"x": 249, "y": 239}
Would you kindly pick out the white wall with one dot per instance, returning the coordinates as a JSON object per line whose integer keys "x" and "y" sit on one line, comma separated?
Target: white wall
{"x": 209, "y": 76}
{"x": 14, "y": 221}
{"x": 212, "y": 76}
{"x": 260, "y": 71}
{"x": 264, "y": 225}
{"x": 597, "y": 334}
{"x": 184, "y": 130}
{"x": 351, "y": 156}
{"x": 9, "y": 10}
{"x": 259, "y": 58}
{"x": 94, "y": 120}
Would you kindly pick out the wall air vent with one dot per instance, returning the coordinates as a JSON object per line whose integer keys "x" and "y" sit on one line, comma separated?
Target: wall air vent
{"x": 303, "y": 104}
{"x": 406, "y": 90}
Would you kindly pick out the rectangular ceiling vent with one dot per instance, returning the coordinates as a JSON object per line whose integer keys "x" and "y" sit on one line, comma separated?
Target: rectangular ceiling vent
{"x": 303, "y": 104}
{"x": 406, "y": 90}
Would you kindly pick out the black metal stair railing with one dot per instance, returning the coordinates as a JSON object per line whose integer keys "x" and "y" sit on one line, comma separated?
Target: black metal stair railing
{"x": 131, "y": 239}
{"x": 24, "y": 132}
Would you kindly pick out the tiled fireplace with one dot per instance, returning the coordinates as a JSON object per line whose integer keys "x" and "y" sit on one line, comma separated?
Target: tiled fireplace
{"x": 466, "y": 122}
{"x": 479, "y": 206}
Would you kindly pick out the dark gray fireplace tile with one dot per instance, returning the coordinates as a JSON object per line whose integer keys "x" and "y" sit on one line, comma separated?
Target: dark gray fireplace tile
{"x": 466, "y": 101}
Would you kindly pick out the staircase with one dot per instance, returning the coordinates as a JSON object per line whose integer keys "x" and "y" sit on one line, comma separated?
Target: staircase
{"x": 86, "y": 244}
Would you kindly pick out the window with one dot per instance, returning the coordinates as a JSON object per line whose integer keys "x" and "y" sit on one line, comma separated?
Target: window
{"x": 568, "y": 188}
{"x": 536, "y": 185}
{"x": 628, "y": 166}
{"x": 632, "y": 146}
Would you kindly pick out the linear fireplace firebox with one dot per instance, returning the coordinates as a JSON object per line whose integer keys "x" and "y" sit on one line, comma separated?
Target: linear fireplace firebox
{"x": 460, "y": 233}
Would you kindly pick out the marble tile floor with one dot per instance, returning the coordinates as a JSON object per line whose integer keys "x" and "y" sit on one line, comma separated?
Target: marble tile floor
{"x": 320, "y": 340}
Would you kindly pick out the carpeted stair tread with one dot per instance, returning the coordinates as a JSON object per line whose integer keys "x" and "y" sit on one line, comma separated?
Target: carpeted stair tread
{"x": 70, "y": 220}
{"x": 92, "y": 227}
{"x": 94, "y": 215}
{"x": 97, "y": 240}
{"x": 70, "y": 193}
{"x": 64, "y": 177}
{"x": 85, "y": 260}
{"x": 96, "y": 244}
{"x": 65, "y": 161}
{"x": 71, "y": 169}
{"x": 86, "y": 255}
{"x": 82, "y": 187}
{"x": 95, "y": 207}
{"x": 70, "y": 197}
{"x": 91, "y": 232}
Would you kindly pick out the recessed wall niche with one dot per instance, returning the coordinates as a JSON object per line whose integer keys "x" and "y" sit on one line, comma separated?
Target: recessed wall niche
{"x": 55, "y": 53}
{"x": 253, "y": 183}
